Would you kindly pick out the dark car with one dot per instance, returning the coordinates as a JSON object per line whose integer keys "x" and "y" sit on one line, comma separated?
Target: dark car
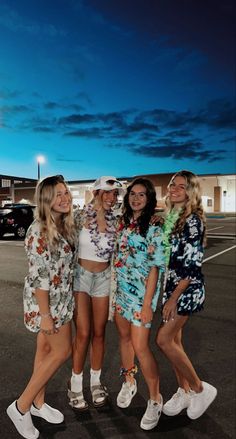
{"x": 16, "y": 218}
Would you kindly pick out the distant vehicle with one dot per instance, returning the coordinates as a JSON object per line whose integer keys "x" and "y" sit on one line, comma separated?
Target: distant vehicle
{"x": 16, "y": 218}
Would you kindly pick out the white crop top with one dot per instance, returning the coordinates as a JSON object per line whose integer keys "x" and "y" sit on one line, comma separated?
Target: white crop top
{"x": 87, "y": 249}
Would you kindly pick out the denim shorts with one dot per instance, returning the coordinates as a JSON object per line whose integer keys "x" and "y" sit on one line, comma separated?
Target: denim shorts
{"x": 94, "y": 284}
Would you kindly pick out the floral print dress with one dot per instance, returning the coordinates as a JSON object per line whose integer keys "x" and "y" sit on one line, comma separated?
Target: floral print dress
{"x": 185, "y": 263}
{"x": 134, "y": 257}
{"x": 51, "y": 271}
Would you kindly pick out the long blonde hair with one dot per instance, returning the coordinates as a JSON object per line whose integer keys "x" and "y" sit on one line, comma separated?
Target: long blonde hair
{"x": 45, "y": 197}
{"x": 193, "y": 202}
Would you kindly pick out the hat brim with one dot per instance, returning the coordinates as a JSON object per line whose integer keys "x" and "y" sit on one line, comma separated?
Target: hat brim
{"x": 107, "y": 188}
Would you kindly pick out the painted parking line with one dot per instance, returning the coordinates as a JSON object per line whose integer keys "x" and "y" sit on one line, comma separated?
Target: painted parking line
{"x": 222, "y": 236}
{"x": 218, "y": 254}
{"x": 12, "y": 243}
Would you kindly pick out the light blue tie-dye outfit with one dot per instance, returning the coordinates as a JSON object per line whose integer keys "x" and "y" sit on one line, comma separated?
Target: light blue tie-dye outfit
{"x": 134, "y": 257}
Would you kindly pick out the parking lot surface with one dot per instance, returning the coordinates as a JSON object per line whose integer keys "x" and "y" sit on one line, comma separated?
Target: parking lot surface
{"x": 209, "y": 340}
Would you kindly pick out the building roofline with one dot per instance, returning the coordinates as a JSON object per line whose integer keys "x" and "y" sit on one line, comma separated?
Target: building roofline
{"x": 148, "y": 175}
{"x": 13, "y": 177}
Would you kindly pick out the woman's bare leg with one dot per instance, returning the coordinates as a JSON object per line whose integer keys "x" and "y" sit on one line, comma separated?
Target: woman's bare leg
{"x": 100, "y": 307}
{"x": 140, "y": 340}
{"x": 60, "y": 350}
{"x": 126, "y": 348}
{"x": 174, "y": 352}
{"x": 82, "y": 319}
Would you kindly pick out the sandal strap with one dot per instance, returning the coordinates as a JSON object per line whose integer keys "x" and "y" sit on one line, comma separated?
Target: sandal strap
{"x": 77, "y": 400}
{"x": 98, "y": 391}
{"x": 99, "y": 387}
{"x": 75, "y": 395}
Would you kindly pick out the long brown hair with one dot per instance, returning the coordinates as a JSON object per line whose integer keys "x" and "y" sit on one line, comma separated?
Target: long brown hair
{"x": 45, "y": 197}
{"x": 149, "y": 209}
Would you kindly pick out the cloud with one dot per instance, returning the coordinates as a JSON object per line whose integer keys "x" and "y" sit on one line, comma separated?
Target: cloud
{"x": 9, "y": 94}
{"x": 178, "y": 151}
{"x": 11, "y": 19}
{"x": 152, "y": 133}
{"x": 60, "y": 106}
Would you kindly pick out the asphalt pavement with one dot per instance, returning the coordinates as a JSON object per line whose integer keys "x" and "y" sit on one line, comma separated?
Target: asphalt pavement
{"x": 209, "y": 340}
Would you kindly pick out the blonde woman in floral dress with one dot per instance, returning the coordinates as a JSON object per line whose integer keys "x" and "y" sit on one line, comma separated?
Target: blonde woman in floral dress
{"x": 139, "y": 264}
{"x": 184, "y": 293}
{"x": 48, "y": 300}
{"x": 96, "y": 228}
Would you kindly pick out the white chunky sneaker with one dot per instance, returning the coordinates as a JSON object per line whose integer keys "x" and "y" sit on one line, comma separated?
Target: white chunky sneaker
{"x": 152, "y": 415}
{"x": 179, "y": 401}
{"x": 48, "y": 413}
{"x": 199, "y": 402}
{"x": 126, "y": 394}
{"x": 23, "y": 423}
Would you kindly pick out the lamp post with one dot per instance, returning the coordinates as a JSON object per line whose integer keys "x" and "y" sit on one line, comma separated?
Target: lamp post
{"x": 40, "y": 159}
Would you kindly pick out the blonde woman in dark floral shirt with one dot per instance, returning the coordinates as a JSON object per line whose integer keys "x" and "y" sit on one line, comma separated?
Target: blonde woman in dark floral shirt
{"x": 184, "y": 292}
{"x": 48, "y": 300}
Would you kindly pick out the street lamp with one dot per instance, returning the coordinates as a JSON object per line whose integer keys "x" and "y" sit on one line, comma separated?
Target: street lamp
{"x": 40, "y": 159}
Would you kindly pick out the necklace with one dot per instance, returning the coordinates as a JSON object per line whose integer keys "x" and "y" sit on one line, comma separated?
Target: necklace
{"x": 168, "y": 226}
{"x": 95, "y": 235}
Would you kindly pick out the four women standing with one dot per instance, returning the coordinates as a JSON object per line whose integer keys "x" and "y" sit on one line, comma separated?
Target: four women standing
{"x": 139, "y": 261}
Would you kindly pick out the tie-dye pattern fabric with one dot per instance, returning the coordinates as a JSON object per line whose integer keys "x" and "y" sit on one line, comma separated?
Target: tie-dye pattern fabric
{"x": 185, "y": 263}
{"x": 134, "y": 256}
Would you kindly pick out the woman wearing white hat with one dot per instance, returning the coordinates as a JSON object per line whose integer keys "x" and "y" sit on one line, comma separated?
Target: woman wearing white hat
{"x": 96, "y": 228}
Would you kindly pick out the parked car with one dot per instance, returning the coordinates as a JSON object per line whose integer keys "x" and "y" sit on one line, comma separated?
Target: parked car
{"x": 16, "y": 218}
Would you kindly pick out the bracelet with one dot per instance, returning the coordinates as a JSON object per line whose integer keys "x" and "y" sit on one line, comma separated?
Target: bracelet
{"x": 47, "y": 314}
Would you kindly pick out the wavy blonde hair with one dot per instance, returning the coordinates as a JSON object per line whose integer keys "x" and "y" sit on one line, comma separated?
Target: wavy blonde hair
{"x": 45, "y": 196}
{"x": 193, "y": 203}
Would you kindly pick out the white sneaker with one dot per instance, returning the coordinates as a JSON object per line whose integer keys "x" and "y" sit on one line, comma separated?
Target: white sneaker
{"x": 152, "y": 415}
{"x": 48, "y": 413}
{"x": 179, "y": 401}
{"x": 126, "y": 394}
{"x": 199, "y": 402}
{"x": 23, "y": 423}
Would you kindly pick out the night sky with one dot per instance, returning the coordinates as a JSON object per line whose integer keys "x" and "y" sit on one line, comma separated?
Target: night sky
{"x": 117, "y": 87}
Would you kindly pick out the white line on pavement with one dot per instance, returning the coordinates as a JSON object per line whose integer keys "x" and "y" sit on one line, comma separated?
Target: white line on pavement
{"x": 218, "y": 254}
{"x": 222, "y": 236}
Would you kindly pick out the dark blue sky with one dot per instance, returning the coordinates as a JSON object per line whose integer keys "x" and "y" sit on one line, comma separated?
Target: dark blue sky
{"x": 117, "y": 87}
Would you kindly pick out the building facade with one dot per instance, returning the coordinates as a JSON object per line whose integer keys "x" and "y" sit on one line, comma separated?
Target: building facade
{"x": 16, "y": 189}
{"x": 218, "y": 190}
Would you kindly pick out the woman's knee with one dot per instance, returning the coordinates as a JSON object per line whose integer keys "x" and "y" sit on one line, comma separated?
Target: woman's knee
{"x": 161, "y": 341}
{"x": 82, "y": 337}
{"x": 98, "y": 337}
{"x": 63, "y": 353}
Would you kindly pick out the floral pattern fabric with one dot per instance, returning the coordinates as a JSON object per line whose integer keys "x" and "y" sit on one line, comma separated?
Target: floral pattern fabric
{"x": 134, "y": 257}
{"x": 51, "y": 271}
{"x": 185, "y": 263}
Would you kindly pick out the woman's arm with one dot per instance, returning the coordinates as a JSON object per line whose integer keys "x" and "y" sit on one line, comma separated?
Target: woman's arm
{"x": 147, "y": 312}
{"x": 169, "y": 309}
{"x": 47, "y": 324}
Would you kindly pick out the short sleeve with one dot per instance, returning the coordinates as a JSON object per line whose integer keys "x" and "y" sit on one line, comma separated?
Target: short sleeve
{"x": 193, "y": 248}
{"x": 155, "y": 249}
{"x": 39, "y": 259}
{"x": 78, "y": 218}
